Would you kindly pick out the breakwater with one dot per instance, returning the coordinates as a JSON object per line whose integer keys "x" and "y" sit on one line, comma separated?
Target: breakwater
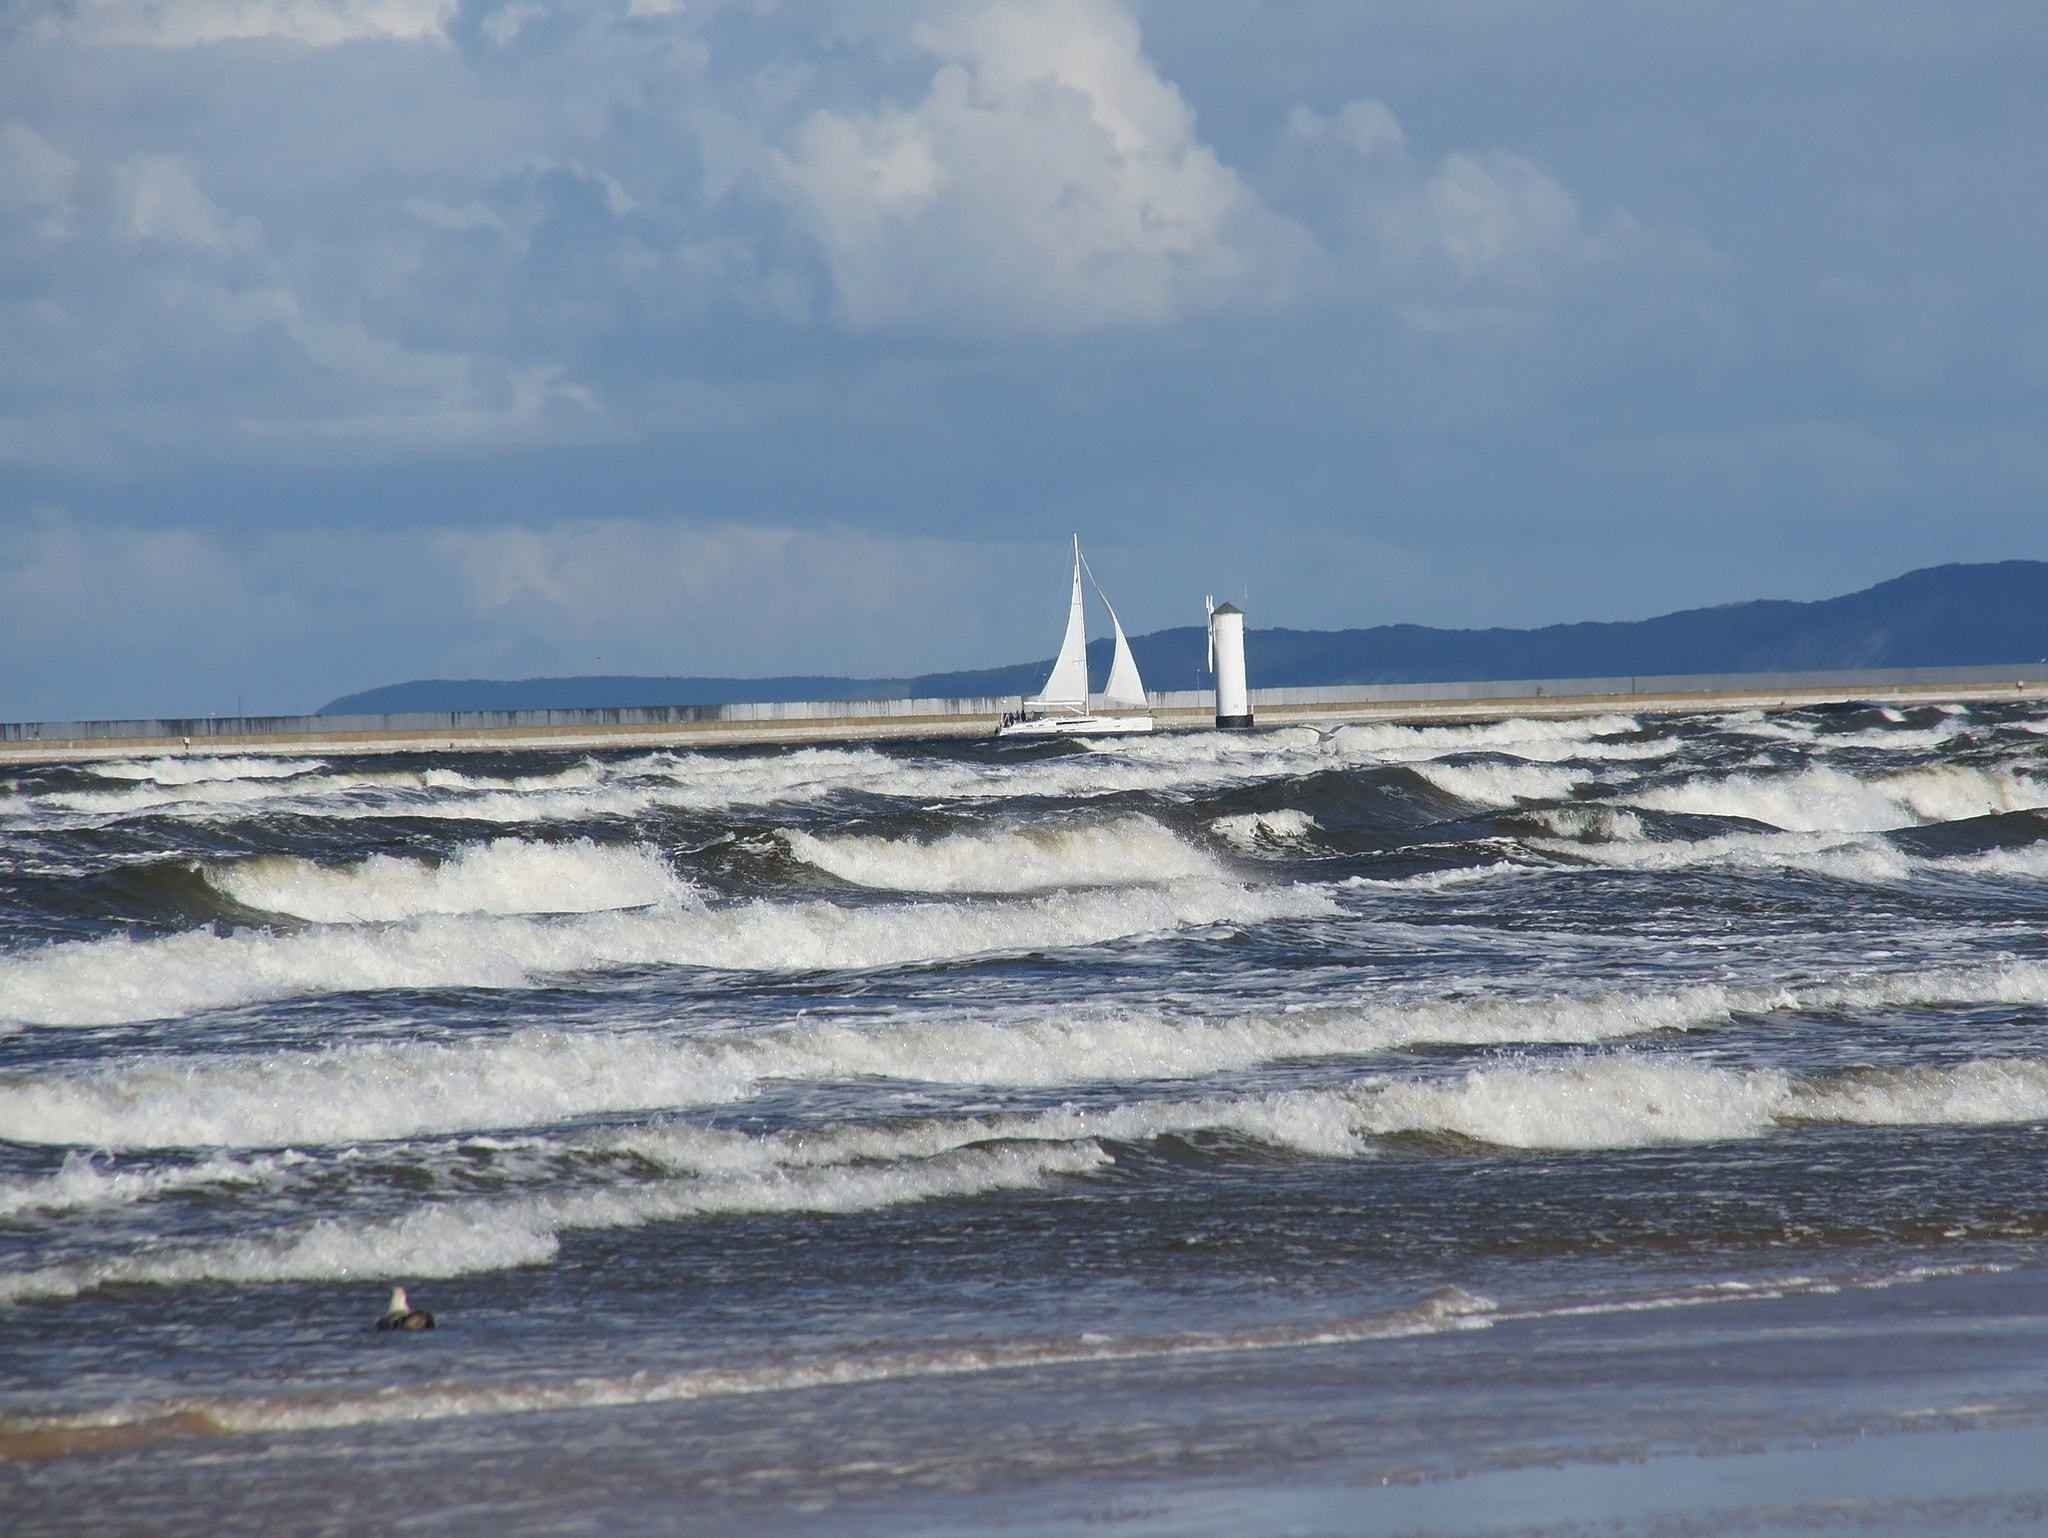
{"x": 855, "y": 720}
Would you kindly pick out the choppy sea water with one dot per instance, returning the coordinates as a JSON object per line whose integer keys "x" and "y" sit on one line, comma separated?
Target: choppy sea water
{"x": 948, "y": 1136}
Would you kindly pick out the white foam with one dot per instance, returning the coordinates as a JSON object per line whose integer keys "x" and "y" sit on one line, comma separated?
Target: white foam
{"x": 1601, "y": 1102}
{"x": 1839, "y": 857}
{"x": 367, "y": 1093}
{"x": 1028, "y": 858}
{"x": 1501, "y": 784}
{"x": 1820, "y": 798}
{"x": 444, "y": 1239}
{"x": 1442, "y": 880}
{"x": 458, "y": 1238}
{"x": 88, "y": 1181}
{"x": 1632, "y": 1101}
{"x": 1591, "y": 824}
{"x": 1534, "y": 740}
{"x": 1981, "y": 1092}
{"x": 389, "y": 1090}
{"x": 1316, "y": 1122}
{"x": 192, "y": 771}
{"x": 1251, "y": 831}
{"x": 505, "y": 876}
{"x": 122, "y": 979}
{"x": 711, "y": 782}
{"x": 2029, "y": 862}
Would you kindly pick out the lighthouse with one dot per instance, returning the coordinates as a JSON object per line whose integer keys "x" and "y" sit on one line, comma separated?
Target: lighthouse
{"x": 1226, "y": 661}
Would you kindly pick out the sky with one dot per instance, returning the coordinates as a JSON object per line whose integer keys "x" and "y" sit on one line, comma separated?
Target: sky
{"x": 350, "y": 341}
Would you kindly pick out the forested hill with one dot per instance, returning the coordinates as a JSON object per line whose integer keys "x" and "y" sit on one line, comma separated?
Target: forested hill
{"x": 1941, "y": 616}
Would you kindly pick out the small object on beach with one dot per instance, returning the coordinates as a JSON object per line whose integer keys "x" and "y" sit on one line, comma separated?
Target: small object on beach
{"x": 401, "y": 1315}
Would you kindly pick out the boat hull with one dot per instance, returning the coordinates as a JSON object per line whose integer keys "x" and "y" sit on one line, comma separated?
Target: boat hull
{"x": 1076, "y": 726}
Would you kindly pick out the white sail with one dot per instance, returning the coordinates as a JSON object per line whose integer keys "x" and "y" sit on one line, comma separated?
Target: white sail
{"x": 1066, "y": 686}
{"x": 1124, "y": 686}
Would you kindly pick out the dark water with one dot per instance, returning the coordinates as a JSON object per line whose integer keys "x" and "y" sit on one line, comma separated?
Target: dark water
{"x": 950, "y": 1135}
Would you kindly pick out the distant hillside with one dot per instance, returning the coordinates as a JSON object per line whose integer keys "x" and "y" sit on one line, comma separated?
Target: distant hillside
{"x": 1942, "y": 616}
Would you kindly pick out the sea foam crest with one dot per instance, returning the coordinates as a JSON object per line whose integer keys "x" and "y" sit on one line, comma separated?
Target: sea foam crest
{"x": 458, "y": 1238}
{"x": 1820, "y": 798}
{"x": 504, "y": 876}
{"x": 1251, "y": 831}
{"x": 1618, "y": 1100}
{"x": 386, "y": 1090}
{"x": 1502, "y": 784}
{"x": 1534, "y": 739}
{"x": 531, "y": 1078}
{"x": 844, "y": 1168}
{"x": 1026, "y": 858}
{"x": 1627, "y": 1100}
{"x": 121, "y": 979}
{"x": 89, "y": 1181}
{"x": 192, "y": 771}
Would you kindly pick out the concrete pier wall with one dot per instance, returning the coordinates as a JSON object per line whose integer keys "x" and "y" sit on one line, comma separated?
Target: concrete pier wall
{"x": 849, "y": 720}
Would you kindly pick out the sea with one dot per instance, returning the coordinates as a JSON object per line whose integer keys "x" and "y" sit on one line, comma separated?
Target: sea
{"x": 1624, "y": 1123}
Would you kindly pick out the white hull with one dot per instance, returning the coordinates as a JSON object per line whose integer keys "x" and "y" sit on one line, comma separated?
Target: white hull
{"x": 1076, "y": 726}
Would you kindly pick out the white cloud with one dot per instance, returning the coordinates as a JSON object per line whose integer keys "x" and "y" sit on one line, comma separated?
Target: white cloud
{"x": 1484, "y": 217}
{"x": 188, "y": 23}
{"x": 1049, "y": 181}
{"x": 1491, "y": 214}
{"x": 502, "y": 26}
{"x": 1364, "y": 127}
{"x": 163, "y": 202}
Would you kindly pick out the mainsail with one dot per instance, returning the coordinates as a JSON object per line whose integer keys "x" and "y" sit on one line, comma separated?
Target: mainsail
{"x": 1066, "y": 686}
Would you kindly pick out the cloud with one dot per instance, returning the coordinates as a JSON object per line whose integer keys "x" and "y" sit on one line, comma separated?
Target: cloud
{"x": 1049, "y": 181}
{"x": 191, "y": 23}
{"x": 1469, "y": 218}
{"x": 553, "y": 225}
{"x": 139, "y": 317}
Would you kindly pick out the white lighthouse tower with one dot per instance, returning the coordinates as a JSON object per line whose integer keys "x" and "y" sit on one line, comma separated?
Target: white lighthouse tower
{"x": 1226, "y": 661}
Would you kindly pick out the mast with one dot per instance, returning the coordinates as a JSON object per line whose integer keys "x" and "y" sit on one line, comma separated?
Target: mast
{"x": 1066, "y": 686}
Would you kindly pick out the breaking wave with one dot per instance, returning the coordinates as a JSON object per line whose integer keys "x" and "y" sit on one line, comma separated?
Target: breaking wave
{"x": 103, "y": 982}
{"x": 1128, "y": 850}
{"x": 1825, "y": 799}
{"x": 381, "y": 1091}
{"x": 1501, "y": 784}
{"x": 1614, "y": 1101}
{"x": 86, "y": 1181}
{"x": 460, "y": 1238}
{"x": 506, "y": 876}
{"x": 1634, "y": 1101}
{"x": 1251, "y": 831}
{"x": 1584, "y": 738}
{"x": 193, "y": 771}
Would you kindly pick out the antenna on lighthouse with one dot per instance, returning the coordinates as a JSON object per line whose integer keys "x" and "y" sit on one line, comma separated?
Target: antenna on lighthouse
{"x": 1226, "y": 656}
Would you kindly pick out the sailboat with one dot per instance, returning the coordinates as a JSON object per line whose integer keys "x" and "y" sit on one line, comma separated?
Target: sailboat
{"x": 1061, "y": 708}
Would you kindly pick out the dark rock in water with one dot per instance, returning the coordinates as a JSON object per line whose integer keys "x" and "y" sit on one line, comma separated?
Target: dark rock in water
{"x": 401, "y": 1315}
